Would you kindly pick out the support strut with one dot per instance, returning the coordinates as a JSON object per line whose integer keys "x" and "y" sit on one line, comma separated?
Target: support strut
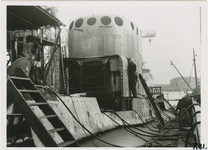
{"x": 152, "y": 100}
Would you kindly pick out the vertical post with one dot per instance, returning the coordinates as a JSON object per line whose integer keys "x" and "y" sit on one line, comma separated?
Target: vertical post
{"x": 195, "y": 71}
{"x": 13, "y": 53}
{"x": 62, "y": 67}
{"x": 104, "y": 86}
{"x": 200, "y": 25}
{"x": 42, "y": 52}
{"x": 67, "y": 81}
{"x": 15, "y": 49}
{"x": 104, "y": 90}
{"x": 81, "y": 77}
{"x": 104, "y": 77}
{"x": 51, "y": 58}
{"x": 81, "y": 72}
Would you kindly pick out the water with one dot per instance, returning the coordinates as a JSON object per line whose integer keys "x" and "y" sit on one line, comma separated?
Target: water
{"x": 173, "y": 96}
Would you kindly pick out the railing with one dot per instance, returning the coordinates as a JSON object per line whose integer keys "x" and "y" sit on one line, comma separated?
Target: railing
{"x": 155, "y": 90}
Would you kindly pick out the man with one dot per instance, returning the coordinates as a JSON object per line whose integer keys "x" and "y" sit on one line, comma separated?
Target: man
{"x": 132, "y": 77}
{"x": 185, "y": 116}
{"x": 185, "y": 102}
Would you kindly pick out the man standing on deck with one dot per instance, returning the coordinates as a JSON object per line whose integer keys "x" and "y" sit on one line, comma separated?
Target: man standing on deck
{"x": 132, "y": 77}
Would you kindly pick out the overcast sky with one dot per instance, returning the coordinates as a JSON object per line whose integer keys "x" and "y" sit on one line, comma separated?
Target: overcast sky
{"x": 177, "y": 26}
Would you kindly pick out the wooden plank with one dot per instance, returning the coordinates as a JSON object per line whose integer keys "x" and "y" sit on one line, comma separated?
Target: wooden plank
{"x": 67, "y": 143}
{"x": 56, "y": 130}
{"x": 37, "y": 104}
{"x": 28, "y": 91}
{"x": 31, "y": 118}
{"x": 19, "y": 78}
{"x": 48, "y": 116}
{"x": 16, "y": 114}
{"x": 28, "y": 113}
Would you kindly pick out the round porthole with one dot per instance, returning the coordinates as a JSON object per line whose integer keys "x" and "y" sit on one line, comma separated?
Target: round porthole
{"x": 71, "y": 25}
{"x": 132, "y": 26}
{"x": 79, "y": 22}
{"x": 106, "y": 20}
{"x": 118, "y": 21}
{"x": 91, "y": 21}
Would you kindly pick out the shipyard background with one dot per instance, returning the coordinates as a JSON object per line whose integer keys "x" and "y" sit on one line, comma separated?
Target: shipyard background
{"x": 150, "y": 48}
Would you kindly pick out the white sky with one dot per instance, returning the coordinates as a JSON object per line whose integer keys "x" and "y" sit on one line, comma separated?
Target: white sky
{"x": 177, "y": 25}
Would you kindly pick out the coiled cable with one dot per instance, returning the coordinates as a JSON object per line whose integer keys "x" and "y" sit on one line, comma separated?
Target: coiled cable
{"x": 192, "y": 127}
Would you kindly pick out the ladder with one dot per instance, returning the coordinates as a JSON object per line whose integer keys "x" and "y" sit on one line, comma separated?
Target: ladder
{"x": 26, "y": 96}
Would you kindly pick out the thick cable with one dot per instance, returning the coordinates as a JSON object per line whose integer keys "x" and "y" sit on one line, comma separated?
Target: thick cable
{"x": 176, "y": 122}
{"x": 80, "y": 123}
{"x": 173, "y": 125}
{"x": 101, "y": 139}
{"x": 192, "y": 127}
{"x": 83, "y": 126}
{"x": 155, "y": 135}
{"x": 182, "y": 114}
{"x": 122, "y": 126}
{"x": 192, "y": 116}
{"x": 152, "y": 108}
{"x": 145, "y": 97}
{"x": 150, "y": 142}
{"x": 144, "y": 122}
{"x": 170, "y": 105}
{"x": 167, "y": 116}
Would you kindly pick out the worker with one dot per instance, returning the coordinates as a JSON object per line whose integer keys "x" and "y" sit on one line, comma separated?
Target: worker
{"x": 185, "y": 102}
{"x": 132, "y": 77}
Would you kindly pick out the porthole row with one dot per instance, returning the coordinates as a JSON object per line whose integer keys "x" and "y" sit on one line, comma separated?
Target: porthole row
{"x": 105, "y": 20}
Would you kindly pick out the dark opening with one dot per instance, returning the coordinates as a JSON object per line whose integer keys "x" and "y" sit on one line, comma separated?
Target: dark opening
{"x": 118, "y": 21}
{"x": 132, "y": 26}
{"x": 92, "y": 78}
{"x": 79, "y": 22}
{"x": 91, "y": 21}
{"x": 71, "y": 25}
{"x": 106, "y": 20}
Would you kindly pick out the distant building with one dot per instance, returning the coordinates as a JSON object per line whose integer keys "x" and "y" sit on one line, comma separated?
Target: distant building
{"x": 179, "y": 84}
{"x": 148, "y": 77}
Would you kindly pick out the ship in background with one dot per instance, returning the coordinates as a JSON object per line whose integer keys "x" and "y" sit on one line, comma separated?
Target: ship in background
{"x": 194, "y": 89}
{"x": 90, "y": 96}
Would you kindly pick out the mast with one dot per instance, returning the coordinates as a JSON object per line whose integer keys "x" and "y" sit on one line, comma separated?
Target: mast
{"x": 181, "y": 75}
{"x": 200, "y": 25}
{"x": 195, "y": 71}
